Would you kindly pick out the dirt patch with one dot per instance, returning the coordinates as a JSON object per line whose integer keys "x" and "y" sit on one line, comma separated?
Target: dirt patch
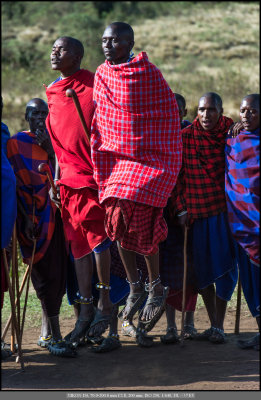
{"x": 195, "y": 366}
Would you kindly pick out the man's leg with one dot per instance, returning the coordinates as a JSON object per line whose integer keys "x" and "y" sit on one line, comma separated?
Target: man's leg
{"x": 171, "y": 335}
{"x": 209, "y": 297}
{"x": 136, "y": 287}
{"x": 155, "y": 290}
{"x": 103, "y": 263}
{"x": 221, "y": 306}
{"x": 84, "y": 272}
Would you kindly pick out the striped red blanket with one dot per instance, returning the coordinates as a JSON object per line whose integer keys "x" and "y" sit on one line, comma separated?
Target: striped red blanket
{"x": 200, "y": 187}
{"x": 136, "y": 141}
{"x": 242, "y": 185}
{"x": 25, "y": 155}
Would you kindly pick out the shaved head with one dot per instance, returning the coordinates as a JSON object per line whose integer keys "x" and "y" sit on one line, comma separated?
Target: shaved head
{"x": 254, "y": 98}
{"x": 35, "y": 103}
{"x": 215, "y": 97}
{"x": 77, "y": 46}
{"x": 122, "y": 29}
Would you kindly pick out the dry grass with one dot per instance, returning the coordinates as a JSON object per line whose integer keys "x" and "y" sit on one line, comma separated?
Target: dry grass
{"x": 216, "y": 50}
{"x": 198, "y": 49}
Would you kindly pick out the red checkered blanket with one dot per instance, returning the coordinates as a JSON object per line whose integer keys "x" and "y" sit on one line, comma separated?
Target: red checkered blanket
{"x": 136, "y": 141}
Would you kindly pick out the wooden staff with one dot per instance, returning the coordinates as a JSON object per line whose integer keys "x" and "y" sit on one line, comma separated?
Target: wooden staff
{"x": 15, "y": 288}
{"x": 45, "y": 169}
{"x": 184, "y": 284}
{"x": 20, "y": 293}
{"x": 237, "y": 322}
{"x": 29, "y": 276}
{"x": 20, "y": 356}
{"x": 12, "y": 346}
{"x": 71, "y": 93}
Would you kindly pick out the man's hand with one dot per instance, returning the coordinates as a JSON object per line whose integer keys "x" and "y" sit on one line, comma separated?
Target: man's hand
{"x": 235, "y": 129}
{"x": 29, "y": 229}
{"x": 55, "y": 199}
{"x": 44, "y": 141}
{"x": 182, "y": 220}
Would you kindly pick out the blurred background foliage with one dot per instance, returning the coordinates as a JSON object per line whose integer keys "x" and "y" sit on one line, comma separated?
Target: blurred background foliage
{"x": 198, "y": 46}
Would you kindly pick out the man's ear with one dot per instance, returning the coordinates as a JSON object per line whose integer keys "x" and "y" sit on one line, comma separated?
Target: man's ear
{"x": 185, "y": 112}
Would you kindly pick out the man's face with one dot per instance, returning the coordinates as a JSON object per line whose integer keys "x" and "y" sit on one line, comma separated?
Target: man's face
{"x": 62, "y": 56}
{"x": 249, "y": 114}
{"x": 182, "y": 110}
{"x": 36, "y": 116}
{"x": 116, "y": 46}
{"x": 208, "y": 113}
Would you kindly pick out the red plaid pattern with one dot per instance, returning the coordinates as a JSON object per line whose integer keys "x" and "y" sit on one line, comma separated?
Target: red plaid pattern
{"x": 137, "y": 227}
{"x": 200, "y": 187}
{"x": 136, "y": 141}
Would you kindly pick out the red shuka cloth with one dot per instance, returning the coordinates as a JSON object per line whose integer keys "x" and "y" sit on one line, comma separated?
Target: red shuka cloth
{"x": 200, "y": 187}
{"x": 136, "y": 140}
{"x": 68, "y": 137}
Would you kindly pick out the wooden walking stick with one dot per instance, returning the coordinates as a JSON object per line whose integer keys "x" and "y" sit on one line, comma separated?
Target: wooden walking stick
{"x": 20, "y": 293}
{"x": 71, "y": 93}
{"x": 45, "y": 169}
{"x": 20, "y": 357}
{"x": 13, "y": 283}
{"x": 15, "y": 280}
{"x": 237, "y": 322}
{"x": 184, "y": 285}
{"x": 29, "y": 276}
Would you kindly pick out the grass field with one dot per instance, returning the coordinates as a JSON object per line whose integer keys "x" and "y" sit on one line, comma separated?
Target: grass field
{"x": 198, "y": 46}
{"x": 34, "y": 313}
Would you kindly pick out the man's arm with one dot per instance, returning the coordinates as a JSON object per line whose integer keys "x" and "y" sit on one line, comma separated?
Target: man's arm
{"x": 28, "y": 223}
{"x": 56, "y": 199}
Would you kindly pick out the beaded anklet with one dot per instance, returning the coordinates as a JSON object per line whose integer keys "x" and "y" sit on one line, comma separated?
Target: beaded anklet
{"x": 135, "y": 283}
{"x": 83, "y": 300}
{"x": 101, "y": 285}
{"x": 150, "y": 286}
{"x": 114, "y": 335}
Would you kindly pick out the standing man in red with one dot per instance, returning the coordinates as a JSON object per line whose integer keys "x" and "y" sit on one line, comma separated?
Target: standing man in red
{"x": 82, "y": 215}
{"x": 136, "y": 151}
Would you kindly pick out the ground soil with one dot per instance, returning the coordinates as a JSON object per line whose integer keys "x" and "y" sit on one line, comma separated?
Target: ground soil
{"x": 194, "y": 366}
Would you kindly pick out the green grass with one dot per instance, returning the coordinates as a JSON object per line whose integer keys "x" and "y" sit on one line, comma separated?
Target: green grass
{"x": 34, "y": 313}
{"x": 198, "y": 46}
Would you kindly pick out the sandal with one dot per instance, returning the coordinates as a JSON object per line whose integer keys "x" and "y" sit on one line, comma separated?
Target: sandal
{"x": 134, "y": 300}
{"x": 205, "y": 335}
{"x": 157, "y": 301}
{"x": 44, "y": 341}
{"x": 5, "y": 353}
{"x": 77, "y": 336}
{"x": 218, "y": 336}
{"x": 110, "y": 343}
{"x": 99, "y": 317}
{"x": 170, "y": 337}
{"x": 142, "y": 339}
{"x": 61, "y": 349}
{"x": 190, "y": 332}
{"x": 252, "y": 343}
{"x": 128, "y": 329}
